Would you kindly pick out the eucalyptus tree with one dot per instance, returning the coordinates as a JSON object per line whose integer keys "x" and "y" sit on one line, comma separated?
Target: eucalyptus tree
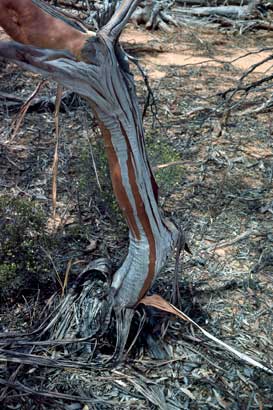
{"x": 94, "y": 65}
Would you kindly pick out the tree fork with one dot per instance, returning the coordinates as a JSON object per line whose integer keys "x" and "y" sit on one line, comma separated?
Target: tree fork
{"x": 95, "y": 66}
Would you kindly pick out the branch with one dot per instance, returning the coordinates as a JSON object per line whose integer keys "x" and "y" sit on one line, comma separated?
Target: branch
{"x": 118, "y": 21}
{"x": 28, "y": 23}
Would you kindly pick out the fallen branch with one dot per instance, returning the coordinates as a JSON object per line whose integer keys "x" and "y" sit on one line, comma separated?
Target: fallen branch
{"x": 231, "y": 12}
{"x": 230, "y": 242}
{"x": 13, "y": 103}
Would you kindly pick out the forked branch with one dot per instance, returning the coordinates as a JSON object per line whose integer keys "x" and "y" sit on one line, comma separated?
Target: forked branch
{"x": 118, "y": 21}
{"x": 97, "y": 69}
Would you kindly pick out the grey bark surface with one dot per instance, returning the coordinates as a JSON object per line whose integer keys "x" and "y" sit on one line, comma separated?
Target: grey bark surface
{"x": 102, "y": 76}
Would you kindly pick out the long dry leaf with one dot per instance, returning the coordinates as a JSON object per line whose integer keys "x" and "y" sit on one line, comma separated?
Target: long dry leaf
{"x": 160, "y": 303}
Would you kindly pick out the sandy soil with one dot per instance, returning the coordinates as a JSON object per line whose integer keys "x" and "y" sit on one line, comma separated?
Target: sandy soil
{"x": 179, "y": 55}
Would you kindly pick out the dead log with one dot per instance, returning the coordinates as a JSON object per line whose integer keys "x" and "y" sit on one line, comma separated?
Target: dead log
{"x": 231, "y": 12}
{"x": 154, "y": 14}
{"x": 12, "y": 103}
{"x": 95, "y": 66}
{"x": 212, "y": 2}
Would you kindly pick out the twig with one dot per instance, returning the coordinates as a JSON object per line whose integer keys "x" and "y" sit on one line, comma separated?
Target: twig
{"x": 168, "y": 164}
{"x": 229, "y": 242}
{"x": 68, "y": 268}
{"x": 12, "y": 378}
{"x": 50, "y": 394}
{"x": 267, "y": 105}
{"x": 92, "y": 156}
{"x": 23, "y": 110}
{"x": 150, "y": 98}
{"x": 56, "y": 157}
{"x": 246, "y": 74}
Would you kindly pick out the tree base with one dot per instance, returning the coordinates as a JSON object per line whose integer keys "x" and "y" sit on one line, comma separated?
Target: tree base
{"x": 91, "y": 315}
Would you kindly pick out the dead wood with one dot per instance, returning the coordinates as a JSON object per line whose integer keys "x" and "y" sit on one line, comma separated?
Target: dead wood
{"x": 212, "y": 2}
{"x": 95, "y": 66}
{"x": 232, "y": 12}
{"x": 13, "y": 103}
{"x": 154, "y": 14}
{"x": 164, "y": 14}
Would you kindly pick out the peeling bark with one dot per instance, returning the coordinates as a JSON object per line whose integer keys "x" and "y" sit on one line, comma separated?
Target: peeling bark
{"x": 95, "y": 67}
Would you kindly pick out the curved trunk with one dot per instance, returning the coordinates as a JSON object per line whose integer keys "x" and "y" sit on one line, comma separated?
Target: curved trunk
{"x": 97, "y": 69}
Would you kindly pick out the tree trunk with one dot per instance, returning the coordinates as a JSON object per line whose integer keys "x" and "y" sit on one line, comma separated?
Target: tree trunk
{"x": 94, "y": 66}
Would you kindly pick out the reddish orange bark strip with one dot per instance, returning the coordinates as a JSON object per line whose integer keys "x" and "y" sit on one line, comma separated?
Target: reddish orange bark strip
{"x": 142, "y": 216}
{"x": 118, "y": 187}
{"x": 28, "y": 24}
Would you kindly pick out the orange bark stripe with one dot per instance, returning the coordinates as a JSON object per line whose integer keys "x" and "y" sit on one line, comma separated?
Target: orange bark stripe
{"x": 118, "y": 187}
{"x": 143, "y": 217}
